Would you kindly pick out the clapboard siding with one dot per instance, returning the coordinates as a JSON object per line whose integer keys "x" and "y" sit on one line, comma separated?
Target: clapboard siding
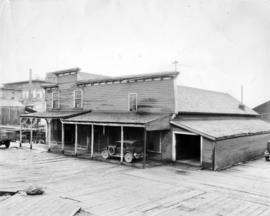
{"x": 66, "y": 87}
{"x": 153, "y": 96}
{"x": 232, "y": 151}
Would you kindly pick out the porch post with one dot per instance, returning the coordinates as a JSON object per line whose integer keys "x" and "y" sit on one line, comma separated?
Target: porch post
{"x": 76, "y": 139}
{"x": 31, "y": 133}
{"x": 49, "y": 133}
{"x": 122, "y": 144}
{"x": 92, "y": 140}
{"x": 20, "y": 132}
{"x": 144, "y": 147}
{"x": 63, "y": 137}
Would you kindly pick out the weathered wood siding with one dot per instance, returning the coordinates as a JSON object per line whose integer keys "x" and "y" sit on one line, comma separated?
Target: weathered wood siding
{"x": 10, "y": 115}
{"x": 232, "y": 151}
{"x": 152, "y": 96}
{"x": 207, "y": 154}
{"x": 66, "y": 87}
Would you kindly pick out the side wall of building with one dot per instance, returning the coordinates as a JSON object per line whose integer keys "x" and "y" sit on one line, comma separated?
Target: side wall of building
{"x": 232, "y": 151}
{"x": 152, "y": 96}
{"x": 207, "y": 153}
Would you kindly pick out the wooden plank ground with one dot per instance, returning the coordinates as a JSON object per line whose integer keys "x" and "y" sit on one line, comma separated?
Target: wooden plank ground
{"x": 110, "y": 189}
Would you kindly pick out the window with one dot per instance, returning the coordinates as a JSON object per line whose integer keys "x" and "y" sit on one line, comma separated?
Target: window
{"x": 78, "y": 99}
{"x": 132, "y": 102}
{"x": 55, "y": 100}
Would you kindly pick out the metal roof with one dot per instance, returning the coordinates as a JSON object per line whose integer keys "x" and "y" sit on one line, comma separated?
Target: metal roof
{"x": 194, "y": 100}
{"x": 222, "y": 128}
{"x": 155, "y": 121}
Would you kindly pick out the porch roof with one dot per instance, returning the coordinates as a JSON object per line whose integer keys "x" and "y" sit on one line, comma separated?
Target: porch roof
{"x": 153, "y": 121}
{"x": 219, "y": 129}
{"x": 54, "y": 114}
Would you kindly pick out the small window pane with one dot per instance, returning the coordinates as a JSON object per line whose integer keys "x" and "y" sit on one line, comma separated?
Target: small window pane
{"x": 78, "y": 99}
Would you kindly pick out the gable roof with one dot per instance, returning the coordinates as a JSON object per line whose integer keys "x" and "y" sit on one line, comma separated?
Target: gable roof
{"x": 223, "y": 128}
{"x": 194, "y": 100}
{"x": 263, "y": 108}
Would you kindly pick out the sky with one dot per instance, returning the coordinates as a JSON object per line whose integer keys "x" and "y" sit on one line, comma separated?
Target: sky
{"x": 220, "y": 45}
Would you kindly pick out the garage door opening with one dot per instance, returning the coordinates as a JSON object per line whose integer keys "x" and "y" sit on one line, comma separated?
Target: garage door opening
{"x": 188, "y": 148}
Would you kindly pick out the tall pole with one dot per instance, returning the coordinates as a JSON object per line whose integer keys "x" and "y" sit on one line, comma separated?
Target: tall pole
{"x": 122, "y": 144}
{"x": 31, "y": 133}
{"x": 175, "y": 65}
{"x": 63, "y": 137}
{"x": 20, "y": 132}
{"x": 92, "y": 140}
{"x": 144, "y": 147}
{"x": 76, "y": 139}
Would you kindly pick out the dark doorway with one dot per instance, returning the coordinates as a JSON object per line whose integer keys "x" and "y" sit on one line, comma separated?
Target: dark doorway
{"x": 69, "y": 134}
{"x": 188, "y": 147}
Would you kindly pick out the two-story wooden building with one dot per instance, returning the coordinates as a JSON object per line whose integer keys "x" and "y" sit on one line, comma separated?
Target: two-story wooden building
{"x": 173, "y": 123}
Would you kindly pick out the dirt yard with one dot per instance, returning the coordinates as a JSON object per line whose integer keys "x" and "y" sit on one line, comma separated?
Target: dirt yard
{"x": 102, "y": 188}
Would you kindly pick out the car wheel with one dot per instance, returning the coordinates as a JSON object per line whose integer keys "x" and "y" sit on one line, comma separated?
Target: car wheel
{"x": 267, "y": 158}
{"x": 128, "y": 157}
{"x": 111, "y": 150}
{"x": 7, "y": 144}
{"x": 105, "y": 154}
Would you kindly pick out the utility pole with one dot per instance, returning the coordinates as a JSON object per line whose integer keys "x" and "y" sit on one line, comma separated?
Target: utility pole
{"x": 175, "y": 65}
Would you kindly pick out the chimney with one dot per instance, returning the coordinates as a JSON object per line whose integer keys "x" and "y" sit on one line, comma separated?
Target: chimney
{"x": 241, "y": 105}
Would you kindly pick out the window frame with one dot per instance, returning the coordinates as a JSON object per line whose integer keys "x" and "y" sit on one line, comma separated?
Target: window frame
{"x": 58, "y": 99}
{"x": 136, "y": 96}
{"x": 74, "y": 99}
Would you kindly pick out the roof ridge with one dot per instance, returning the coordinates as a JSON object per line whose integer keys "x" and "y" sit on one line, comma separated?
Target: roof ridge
{"x": 201, "y": 89}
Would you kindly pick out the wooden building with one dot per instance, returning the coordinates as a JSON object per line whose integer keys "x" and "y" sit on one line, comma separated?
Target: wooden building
{"x": 174, "y": 123}
{"x": 264, "y": 110}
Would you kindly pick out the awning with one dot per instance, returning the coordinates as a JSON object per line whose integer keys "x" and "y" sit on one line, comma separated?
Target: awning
{"x": 218, "y": 129}
{"x": 150, "y": 121}
{"x": 54, "y": 114}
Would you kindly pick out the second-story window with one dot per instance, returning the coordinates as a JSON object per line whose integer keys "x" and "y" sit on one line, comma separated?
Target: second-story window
{"x": 132, "y": 102}
{"x": 78, "y": 99}
{"x": 55, "y": 100}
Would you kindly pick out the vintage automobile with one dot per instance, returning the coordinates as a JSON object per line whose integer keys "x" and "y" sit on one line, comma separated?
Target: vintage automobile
{"x": 267, "y": 152}
{"x": 7, "y": 135}
{"x": 133, "y": 149}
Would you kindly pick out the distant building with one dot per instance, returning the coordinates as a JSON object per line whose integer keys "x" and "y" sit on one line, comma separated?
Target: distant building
{"x": 32, "y": 93}
{"x": 264, "y": 110}
{"x": 10, "y": 93}
{"x": 10, "y": 111}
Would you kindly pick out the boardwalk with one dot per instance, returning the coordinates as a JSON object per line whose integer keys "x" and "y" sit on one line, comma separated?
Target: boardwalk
{"x": 110, "y": 189}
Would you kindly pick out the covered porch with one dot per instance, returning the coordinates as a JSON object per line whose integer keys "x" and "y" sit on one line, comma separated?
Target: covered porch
{"x": 96, "y": 133}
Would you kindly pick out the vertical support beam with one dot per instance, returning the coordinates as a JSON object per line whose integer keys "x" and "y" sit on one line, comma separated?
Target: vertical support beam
{"x": 122, "y": 144}
{"x": 63, "y": 138}
{"x": 76, "y": 139}
{"x": 92, "y": 141}
{"x": 31, "y": 133}
{"x": 201, "y": 149}
{"x": 173, "y": 147}
{"x": 20, "y": 132}
{"x": 87, "y": 141}
{"x": 49, "y": 133}
{"x": 144, "y": 147}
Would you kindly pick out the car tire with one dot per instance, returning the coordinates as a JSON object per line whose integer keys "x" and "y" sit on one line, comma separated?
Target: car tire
{"x": 105, "y": 154}
{"x": 111, "y": 150}
{"x": 267, "y": 158}
{"x": 7, "y": 144}
{"x": 128, "y": 157}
